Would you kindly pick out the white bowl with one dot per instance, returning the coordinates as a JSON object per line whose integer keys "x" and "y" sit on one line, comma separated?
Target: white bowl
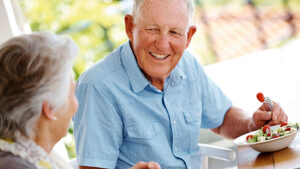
{"x": 272, "y": 145}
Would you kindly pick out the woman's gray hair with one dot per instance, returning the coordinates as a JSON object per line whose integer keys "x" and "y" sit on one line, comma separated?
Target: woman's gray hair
{"x": 34, "y": 68}
{"x": 137, "y": 4}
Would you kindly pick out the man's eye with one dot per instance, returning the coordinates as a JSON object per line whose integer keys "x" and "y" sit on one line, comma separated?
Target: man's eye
{"x": 175, "y": 33}
{"x": 152, "y": 29}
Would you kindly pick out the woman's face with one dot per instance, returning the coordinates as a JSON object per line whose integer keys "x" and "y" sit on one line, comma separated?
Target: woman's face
{"x": 66, "y": 112}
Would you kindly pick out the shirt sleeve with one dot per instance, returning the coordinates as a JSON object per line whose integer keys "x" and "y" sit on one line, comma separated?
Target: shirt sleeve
{"x": 215, "y": 103}
{"x": 97, "y": 128}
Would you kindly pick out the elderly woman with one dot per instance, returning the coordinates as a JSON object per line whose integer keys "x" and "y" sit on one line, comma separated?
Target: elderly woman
{"x": 37, "y": 100}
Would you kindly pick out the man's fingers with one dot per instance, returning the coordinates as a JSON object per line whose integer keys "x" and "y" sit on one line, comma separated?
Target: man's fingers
{"x": 146, "y": 165}
{"x": 140, "y": 165}
{"x": 278, "y": 112}
{"x": 262, "y": 115}
{"x": 153, "y": 165}
{"x": 278, "y": 116}
{"x": 266, "y": 106}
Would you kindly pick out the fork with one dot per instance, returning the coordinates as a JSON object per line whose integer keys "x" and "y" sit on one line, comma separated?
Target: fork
{"x": 266, "y": 100}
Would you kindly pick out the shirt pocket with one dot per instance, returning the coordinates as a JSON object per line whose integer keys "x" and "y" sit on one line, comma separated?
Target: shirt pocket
{"x": 146, "y": 130}
{"x": 193, "y": 122}
{"x": 140, "y": 139}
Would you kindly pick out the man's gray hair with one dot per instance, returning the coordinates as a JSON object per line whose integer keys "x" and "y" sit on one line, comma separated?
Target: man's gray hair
{"x": 137, "y": 4}
{"x": 33, "y": 68}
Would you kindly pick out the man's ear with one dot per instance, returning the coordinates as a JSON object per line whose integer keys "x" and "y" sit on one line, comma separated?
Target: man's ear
{"x": 129, "y": 23}
{"x": 47, "y": 111}
{"x": 190, "y": 34}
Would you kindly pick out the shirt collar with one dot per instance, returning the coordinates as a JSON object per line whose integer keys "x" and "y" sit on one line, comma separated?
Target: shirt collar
{"x": 136, "y": 77}
{"x": 175, "y": 77}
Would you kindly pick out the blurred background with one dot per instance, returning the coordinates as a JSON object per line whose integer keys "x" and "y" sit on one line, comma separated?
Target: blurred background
{"x": 226, "y": 29}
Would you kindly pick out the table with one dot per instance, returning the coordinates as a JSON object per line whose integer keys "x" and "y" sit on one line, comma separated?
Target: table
{"x": 287, "y": 158}
{"x": 275, "y": 73}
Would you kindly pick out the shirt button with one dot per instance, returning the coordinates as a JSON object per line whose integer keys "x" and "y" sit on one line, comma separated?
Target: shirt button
{"x": 174, "y": 122}
{"x": 175, "y": 148}
{"x": 148, "y": 132}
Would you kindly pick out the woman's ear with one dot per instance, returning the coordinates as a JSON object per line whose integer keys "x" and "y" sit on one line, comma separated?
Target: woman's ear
{"x": 47, "y": 111}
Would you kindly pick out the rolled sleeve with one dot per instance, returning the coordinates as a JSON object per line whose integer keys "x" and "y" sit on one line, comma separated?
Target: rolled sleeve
{"x": 215, "y": 106}
{"x": 215, "y": 103}
{"x": 97, "y": 128}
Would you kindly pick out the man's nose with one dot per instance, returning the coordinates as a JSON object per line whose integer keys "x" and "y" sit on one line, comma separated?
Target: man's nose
{"x": 163, "y": 42}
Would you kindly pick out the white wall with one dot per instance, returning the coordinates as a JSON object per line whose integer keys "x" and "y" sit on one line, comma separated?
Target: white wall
{"x": 5, "y": 29}
{"x": 12, "y": 20}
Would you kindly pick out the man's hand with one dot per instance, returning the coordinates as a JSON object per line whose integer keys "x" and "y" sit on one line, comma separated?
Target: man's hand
{"x": 139, "y": 165}
{"x": 146, "y": 165}
{"x": 263, "y": 116}
{"x": 237, "y": 122}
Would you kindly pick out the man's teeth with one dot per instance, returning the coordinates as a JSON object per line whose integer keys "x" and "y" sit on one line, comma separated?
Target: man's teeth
{"x": 159, "y": 56}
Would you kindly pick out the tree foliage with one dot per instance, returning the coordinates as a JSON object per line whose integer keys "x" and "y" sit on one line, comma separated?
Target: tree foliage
{"x": 95, "y": 25}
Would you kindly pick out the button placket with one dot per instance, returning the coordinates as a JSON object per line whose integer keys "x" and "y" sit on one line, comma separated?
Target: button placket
{"x": 173, "y": 123}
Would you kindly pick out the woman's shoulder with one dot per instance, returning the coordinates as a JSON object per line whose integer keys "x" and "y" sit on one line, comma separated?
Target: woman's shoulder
{"x": 8, "y": 160}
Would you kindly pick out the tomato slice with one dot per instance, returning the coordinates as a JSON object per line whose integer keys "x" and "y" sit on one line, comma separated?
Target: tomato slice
{"x": 266, "y": 129}
{"x": 283, "y": 124}
{"x": 249, "y": 136}
{"x": 287, "y": 129}
{"x": 275, "y": 136}
{"x": 260, "y": 97}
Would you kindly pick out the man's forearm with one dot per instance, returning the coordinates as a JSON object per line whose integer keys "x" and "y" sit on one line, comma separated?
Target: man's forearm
{"x": 85, "y": 167}
{"x": 236, "y": 122}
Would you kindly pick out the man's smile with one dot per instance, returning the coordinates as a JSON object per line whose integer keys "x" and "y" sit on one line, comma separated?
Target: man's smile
{"x": 157, "y": 56}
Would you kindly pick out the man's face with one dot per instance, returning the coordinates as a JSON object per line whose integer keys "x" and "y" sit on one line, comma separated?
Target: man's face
{"x": 159, "y": 37}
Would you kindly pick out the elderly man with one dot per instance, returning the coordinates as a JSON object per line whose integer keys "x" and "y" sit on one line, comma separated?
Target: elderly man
{"x": 148, "y": 99}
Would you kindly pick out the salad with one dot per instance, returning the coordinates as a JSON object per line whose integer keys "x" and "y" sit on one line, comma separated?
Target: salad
{"x": 265, "y": 133}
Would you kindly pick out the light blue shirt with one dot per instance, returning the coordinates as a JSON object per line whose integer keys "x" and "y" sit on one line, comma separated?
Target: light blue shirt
{"x": 123, "y": 119}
